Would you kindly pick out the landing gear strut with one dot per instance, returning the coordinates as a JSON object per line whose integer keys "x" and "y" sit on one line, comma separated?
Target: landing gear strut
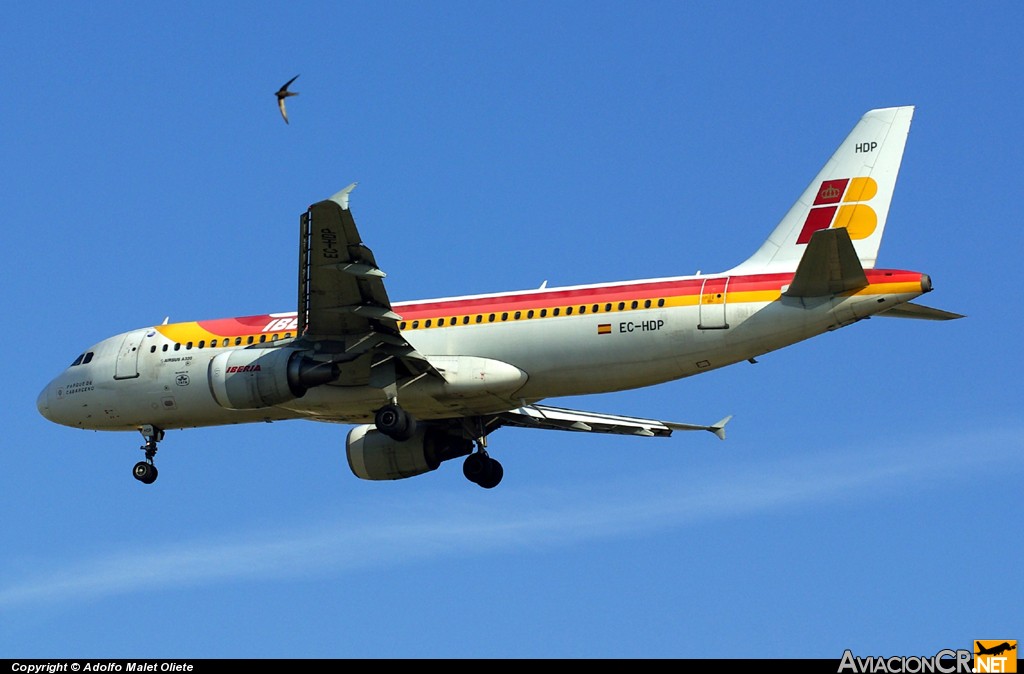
{"x": 144, "y": 471}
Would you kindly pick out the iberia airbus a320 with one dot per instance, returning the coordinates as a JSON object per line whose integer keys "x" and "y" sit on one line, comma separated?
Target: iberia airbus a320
{"x": 427, "y": 381}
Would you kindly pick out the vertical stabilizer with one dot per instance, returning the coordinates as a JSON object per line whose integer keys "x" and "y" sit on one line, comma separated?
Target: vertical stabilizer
{"x": 853, "y": 190}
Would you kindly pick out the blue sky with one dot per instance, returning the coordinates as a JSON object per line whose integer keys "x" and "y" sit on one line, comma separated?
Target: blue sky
{"x": 867, "y": 496}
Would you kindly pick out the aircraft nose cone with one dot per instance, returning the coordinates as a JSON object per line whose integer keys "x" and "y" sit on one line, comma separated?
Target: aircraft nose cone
{"x": 43, "y": 403}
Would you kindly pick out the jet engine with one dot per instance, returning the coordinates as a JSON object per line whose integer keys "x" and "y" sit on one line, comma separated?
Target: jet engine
{"x": 248, "y": 379}
{"x": 375, "y": 456}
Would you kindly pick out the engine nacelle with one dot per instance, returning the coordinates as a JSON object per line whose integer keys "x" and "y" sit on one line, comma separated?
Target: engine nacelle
{"x": 375, "y": 456}
{"x": 248, "y": 379}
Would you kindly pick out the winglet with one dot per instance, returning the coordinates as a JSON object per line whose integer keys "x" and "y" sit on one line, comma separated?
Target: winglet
{"x": 719, "y": 428}
{"x": 341, "y": 198}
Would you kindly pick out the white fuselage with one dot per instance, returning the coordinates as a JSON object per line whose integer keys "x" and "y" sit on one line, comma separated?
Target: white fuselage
{"x": 496, "y": 352}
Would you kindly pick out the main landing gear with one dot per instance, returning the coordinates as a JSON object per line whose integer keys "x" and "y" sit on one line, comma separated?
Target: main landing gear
{"x": 479, "y": 468}
{"x": 144, "y": 471}
{"x": 394, "y": 422}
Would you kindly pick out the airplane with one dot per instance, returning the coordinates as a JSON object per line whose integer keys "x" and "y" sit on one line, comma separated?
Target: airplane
{"x": 994, "y": 650}
{"x": 425, "y": 382}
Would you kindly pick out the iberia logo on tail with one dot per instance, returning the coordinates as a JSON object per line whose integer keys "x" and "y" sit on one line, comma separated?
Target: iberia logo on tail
{"x": 841, "y": 203}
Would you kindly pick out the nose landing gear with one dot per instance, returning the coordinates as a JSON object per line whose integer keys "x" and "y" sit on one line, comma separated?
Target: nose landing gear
{"x": 144, "y": 471}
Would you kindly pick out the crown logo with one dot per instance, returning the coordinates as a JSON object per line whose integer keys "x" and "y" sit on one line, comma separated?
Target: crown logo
{"x": 830, "y": 192}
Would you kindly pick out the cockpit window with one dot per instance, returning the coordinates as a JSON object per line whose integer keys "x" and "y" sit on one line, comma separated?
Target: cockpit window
{"x": 82, "y": 359}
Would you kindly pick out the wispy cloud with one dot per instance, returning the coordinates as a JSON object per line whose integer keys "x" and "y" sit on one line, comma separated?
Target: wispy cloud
{"x": 464, "y": 524}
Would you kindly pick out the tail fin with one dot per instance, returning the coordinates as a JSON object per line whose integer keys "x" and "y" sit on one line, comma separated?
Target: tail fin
{"x": 853, "y": 190}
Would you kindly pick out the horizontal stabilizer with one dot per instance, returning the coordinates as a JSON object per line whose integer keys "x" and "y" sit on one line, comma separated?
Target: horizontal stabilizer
{"x": 560, "y": 419}
{"x": 911, "y": 310}
{"x": 828, "y": 266}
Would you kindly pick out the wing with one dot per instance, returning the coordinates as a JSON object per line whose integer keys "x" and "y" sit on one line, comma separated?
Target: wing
{"x": 344, "y": 310}
{"x": 560, "y": 419}
{"x": 284, "y": 87}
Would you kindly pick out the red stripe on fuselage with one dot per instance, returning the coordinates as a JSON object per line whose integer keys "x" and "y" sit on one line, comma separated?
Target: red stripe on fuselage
{"x": 624, "y": 292}
{"x": 583, "y": 295}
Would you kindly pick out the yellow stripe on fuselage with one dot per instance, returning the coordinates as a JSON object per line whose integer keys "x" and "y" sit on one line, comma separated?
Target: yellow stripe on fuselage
{"x": 185, "y": 333}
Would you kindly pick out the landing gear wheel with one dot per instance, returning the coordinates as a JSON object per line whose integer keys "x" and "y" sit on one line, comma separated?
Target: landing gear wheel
{"x": 475, "y": 467}
{"x": 394, "y": 422}
{"x": 145, "y": 472}
{"x": 494, "y": 475}
{"x": 482, "y": 470}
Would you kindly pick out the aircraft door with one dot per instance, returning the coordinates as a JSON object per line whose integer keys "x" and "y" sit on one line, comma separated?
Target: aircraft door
{"x": 712, "y": 304}
{"x": 127, "y": 366}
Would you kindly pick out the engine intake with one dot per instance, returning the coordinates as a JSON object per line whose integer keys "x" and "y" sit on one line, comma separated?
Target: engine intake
{"x": 248, "y": 379}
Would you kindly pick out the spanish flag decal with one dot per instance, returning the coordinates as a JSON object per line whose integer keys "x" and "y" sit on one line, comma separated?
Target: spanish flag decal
{"x": 604, "y": 329}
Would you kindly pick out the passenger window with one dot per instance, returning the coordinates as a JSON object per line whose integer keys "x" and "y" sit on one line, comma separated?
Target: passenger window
{"x": 555, "y": 311}
{"x": 568, "y": 311}
{"x": 238, "y": 341}
{"x": 263, "y": 338}
{"x": 622, "y": 305}
{"x": 490, "y": 319}
{"x": 202, "y": 343}
{"x": 543, "y": 313}
{"x": 249, "y": 339}
{"x": 517, "y": 315}
{"x": 188, "y": 346}
{"x": 440, "y": 322}
{"x": 164, "y": 348}
{"x": 647, "y": 304}
{"x": 426, "y": 323}
{"x": 479, "y": 318}
{"x": 608, "y": 307}
{"x": 152, "y": 349}
{"x": 177, "y": 346}
{"x": 529, "y": 314}
{"x": 583, "y": 309}
{"x": 661, "y": 303}
{"x": 504, "y": 316}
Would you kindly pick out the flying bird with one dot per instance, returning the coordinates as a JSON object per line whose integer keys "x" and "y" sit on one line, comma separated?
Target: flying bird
{"x": 282, "y": 94}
